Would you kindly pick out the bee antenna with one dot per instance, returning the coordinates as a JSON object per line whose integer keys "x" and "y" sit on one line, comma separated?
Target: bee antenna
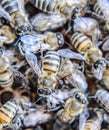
{"x": 68, "y": 44}
{"x": 38, "y": 100}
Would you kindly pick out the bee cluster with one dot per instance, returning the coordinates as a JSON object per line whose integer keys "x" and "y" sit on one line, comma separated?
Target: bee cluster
{"x": 54, "y": 65}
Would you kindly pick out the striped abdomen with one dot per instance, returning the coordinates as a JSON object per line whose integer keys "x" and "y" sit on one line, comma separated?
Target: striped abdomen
{"x": 102, "y": 97}
{"x": 6, "y": 78}
{"x": 93, "y": 124}
{"x": 98, "y": 10}
{"x": 51, "y": 62}
{"x": 7, "y": 112}
{"x": 10, "y": 6}
{"x": 81, "y": 42}
{"x": 45, "y": 5}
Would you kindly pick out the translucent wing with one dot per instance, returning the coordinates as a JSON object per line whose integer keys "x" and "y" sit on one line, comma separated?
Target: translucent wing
{"x": 19, "y": 77}
{"x": 43, "y": 22}
{"x": 32, "y": 61}
{"x": 33, "y": 43}
{"x": 21, "y": 5}
{"x": 4, "y": 14}
{"x": 83, "y": 118}
{"x": 70, "y": 54}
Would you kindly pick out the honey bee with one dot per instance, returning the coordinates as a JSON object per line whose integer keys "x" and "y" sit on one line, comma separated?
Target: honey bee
{"x": 12, "y": 110}
{"x": 9, "y": 33}
{"x": 92, "y": 54}
{"x": 42, "y": 22}
{"x": 73, "y": 107}
{"x": 102, "y": 98}
{"x": 35, "y": 43}
{"x": 64, "y": 8}
{"x": 47, "y": 78}
{"x": 13, "y": 11}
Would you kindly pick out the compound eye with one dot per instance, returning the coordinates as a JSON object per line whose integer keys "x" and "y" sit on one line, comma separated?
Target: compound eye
{"x": 83, "y": 101}
{"x": 60, "y": 43}
{"x": 41, "y": 91}
{"x": 25, "y": 28}
{"x": 76, "y": 10}
{"x": 73, "y": 17}
{"x": 77, "y": 96}
{"x": 48, "y": 92}
{"x": 19, "y": 30}
{"x": 96, "y": 65}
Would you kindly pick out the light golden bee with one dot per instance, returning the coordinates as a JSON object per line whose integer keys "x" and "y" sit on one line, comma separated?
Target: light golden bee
{"x": 65, "y": 8}
{"x": 13, "y": 11}
{"x": 50, "y": 66}
{"x": 9, "y": 33}
{"x": 6, "y": 74}
{"x": 73, "y": 107}
{"x": 42, "y": 22}
{"x": 102, "y": 98}
{"x": 92, "y": 54}
{"x": 38, "y": 42}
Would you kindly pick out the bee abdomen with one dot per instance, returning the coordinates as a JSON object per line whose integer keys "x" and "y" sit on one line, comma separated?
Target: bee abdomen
{"x": 92, "y": 124}
{"x": 45, "y": 5}
{"x": 102, "y": 97}
{"x": 97, "y": 9}
{"x": 51, "y": 62}
{"x": 81, "y": 42}
{"x": 9, "y": 5}
{"x": 6, "y": 79}
{"x": 7, "y": 113}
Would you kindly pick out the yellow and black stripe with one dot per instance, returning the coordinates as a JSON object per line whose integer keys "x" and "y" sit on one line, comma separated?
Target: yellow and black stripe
{"x": 10, "y": 6}
{"x": 81, "y": 42}
{"x": 94, "y": 124}
{"x": 7, "y": 112}
{"x": 51, "y": 62}
{"x": 45, "y": 5}
{"x": 6, "y": 78}
{"x": 98, "y": 10}
{"x": 102, "y": 97}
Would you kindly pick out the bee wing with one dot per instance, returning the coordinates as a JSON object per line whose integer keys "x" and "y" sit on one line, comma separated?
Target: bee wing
{"x": 32, "y": 61}
{"x": 19, "y": 76}
{"x": 83, "y": 118}
{"x": 21, "y": 5}
{"x": 70, "y": 54}
{"x": 4, "y": 14}
{"x": 43, "y": 22}
{"x": 31, "y": 38}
